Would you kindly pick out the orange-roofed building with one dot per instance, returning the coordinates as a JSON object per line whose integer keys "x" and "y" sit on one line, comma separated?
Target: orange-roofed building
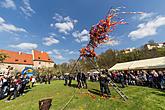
{"x": 20, "y": 60}
{"x": 41, "y": 59}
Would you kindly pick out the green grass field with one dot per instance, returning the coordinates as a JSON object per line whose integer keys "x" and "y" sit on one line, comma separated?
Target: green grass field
{"x": 140, "y": 98}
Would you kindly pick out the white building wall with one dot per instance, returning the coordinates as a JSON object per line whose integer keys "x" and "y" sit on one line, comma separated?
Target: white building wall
{"x": 18, "y": 67}
{"x": 160, "y": 45}
{"x": 42, "y": 64}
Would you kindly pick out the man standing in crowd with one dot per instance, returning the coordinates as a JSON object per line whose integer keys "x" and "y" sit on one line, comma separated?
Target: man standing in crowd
{"x": 104, "y": 80}
{"x": 1, "y": 83}
{"x": 70, "y": 79}
{"x": 162, "y": 80}
{"x": 155, "y": 79}
{"x": 66, "y": 78}
{"x": 33, "y": 81}
{"x": 24, "y": 82}
{"x": 13, "y": 89}
{"x": 84, "y": 80}
{"x": 79, "y": 76}
{"x": 45, "y": 79}
{"x": 48, "y": 78}
{"x": 5, "y": 85}
{"x": 122, "y": 79}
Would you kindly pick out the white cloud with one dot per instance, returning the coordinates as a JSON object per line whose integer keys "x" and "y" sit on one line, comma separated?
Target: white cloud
{"x": 63, "y": 24}
{"x": 48, "y": 41}
{"x": 112, "y": 42}
{"x": 60, "y": 53}
{"x": 73, "y": 53}
{"x": 53, "y": 34}
{"x": 16, "y": 39}
{"x": 2, "y": 20}
{"x": 8, "y": 4}
{"x": 64, "y": 37}
{"x": 51, "y": 25}
{"x": 56, "y": 51}
{"x": 66, "y": 50}
{"x": 26, "y": 8}
{"x": 64, "y": 27}
{"x": 81, "y": 36}
{"x": 9, "y": 27}
{"x": 25, "y": 46}
{"x": 58, "y": 17}
{"x": 59, "y": 57}
{"x": 145, "y": 16}
{"x": 148, "y": 28}
{"x": 49, "y": 52}
{"x": 69, "y": 52}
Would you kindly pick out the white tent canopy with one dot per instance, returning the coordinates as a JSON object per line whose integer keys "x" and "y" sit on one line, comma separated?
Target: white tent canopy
{"x": 153, "y": 63}
{"x": 121, "y": 66}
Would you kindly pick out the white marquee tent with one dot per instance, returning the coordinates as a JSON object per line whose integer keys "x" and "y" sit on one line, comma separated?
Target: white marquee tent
{"x": 153, "y": 63}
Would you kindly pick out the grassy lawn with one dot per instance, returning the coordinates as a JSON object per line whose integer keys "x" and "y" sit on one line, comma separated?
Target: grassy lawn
{"x": 140, "y": 98}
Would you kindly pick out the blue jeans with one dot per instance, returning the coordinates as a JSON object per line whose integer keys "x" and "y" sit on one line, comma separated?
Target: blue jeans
{"x": 104, "y": 89}
{"x": 162, "y": 84}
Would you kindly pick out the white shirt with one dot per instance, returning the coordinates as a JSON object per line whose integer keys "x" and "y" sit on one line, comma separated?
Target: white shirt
{"x": 33, "y": 80}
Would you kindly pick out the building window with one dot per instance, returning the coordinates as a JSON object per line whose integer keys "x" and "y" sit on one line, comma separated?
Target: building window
{"x": 25, "y": 61}
{"x": 16, "y": 59}
{"x": 39, "y": 63}
{"x": 48, "y": 59}
{"x": 39, "y": 58}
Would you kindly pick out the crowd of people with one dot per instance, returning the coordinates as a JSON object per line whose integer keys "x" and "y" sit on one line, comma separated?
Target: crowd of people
{"x": 80, "y": 77}
{"x": 81, "y": 80}
{"x": 150, "y": 78}
{"x": 12, "y": 86}
{"x": 44, "y": 78}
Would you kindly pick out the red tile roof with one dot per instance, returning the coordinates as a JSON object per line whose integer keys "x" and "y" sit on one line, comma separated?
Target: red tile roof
{"x": 17, "y": 57}
{"x": 41, "y": 56}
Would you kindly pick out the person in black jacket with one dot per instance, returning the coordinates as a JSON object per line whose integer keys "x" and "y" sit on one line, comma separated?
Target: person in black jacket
{"x": 24, "y": 82}
{"x": 84, "y": 82}
{"x": 122, "y": 80}
{"x": 70, "y": 79}
{"x": 104, "y": 80}
{"x": 13, "y": 90}
{"x": 66, "y": 78}
{"x": 48, "y": 77}
{"x": 1, "y": 83}
{"x": 79, "y": 76}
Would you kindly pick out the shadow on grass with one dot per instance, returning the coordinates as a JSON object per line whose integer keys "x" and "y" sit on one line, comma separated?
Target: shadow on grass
{"x": 73, "y": 85}
{"x": 26, "y": 91}
{"x": 159, "y": 93}
{"x": 95, "y": 91}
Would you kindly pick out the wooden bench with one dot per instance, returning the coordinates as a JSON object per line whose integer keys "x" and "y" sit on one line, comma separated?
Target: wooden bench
{"x": 45, "y": 104}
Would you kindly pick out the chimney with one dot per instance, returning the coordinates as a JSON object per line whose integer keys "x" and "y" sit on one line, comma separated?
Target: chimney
{"x": 20, "y": 52}
{"x": 33, "y": 54}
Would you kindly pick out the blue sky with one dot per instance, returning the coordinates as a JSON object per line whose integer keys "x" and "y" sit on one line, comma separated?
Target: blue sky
{"x": 61, "y": 27}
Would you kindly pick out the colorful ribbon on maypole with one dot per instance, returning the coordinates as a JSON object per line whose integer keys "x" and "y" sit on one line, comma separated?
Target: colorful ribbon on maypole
{"x": 99, "y": 33}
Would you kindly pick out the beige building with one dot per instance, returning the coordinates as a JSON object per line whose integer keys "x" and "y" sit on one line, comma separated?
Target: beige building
{"x": 159, "y": 45}
{"x": 128, "y": 50}
{"x": 19, "y": 60}
{"x": 41, "y": 59}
